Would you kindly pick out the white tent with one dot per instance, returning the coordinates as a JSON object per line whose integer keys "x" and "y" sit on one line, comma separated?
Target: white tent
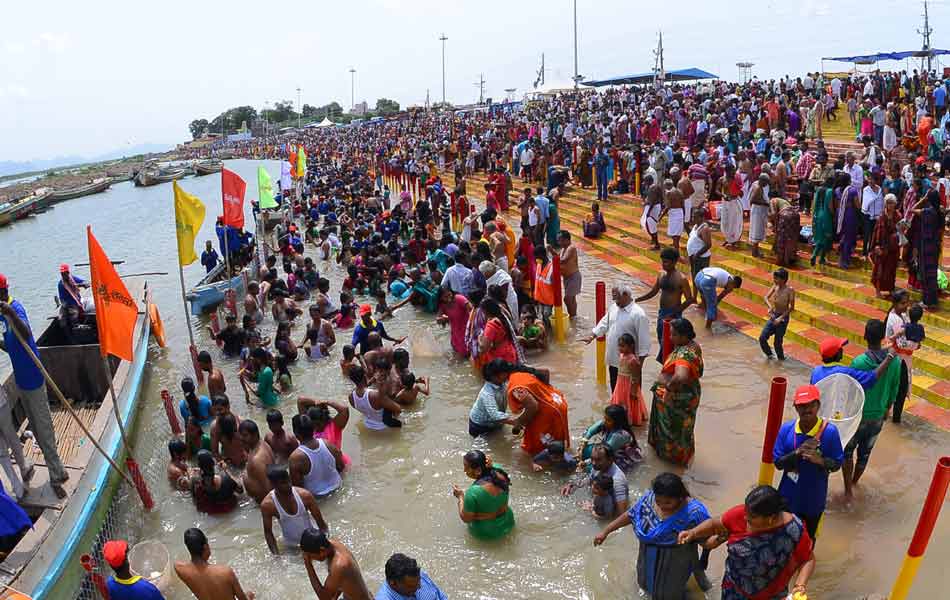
{"x": 326, "y": 122}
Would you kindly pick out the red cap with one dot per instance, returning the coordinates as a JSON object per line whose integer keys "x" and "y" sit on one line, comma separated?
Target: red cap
{"x": 806, "y": 394}
{"x": 365, "y": 309}
{"x": 3, "y": 281}
{"x": 831, "y": 346}
{"x": 114, "y": 552}
{"x": 64, "y": 268}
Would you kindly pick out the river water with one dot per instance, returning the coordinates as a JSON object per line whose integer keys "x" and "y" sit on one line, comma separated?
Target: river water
{"x": 397, "y": 497}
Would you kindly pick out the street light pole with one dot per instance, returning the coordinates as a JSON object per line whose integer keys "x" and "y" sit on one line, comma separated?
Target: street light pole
{"x": 299, "y": 108}
{"x": 442, "y": 39}
{"x": 575, "y": 45}
{"x": 352, "y": 89}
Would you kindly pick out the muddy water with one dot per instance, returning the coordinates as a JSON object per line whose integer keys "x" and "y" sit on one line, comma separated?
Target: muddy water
{"x": 397, "y": 497}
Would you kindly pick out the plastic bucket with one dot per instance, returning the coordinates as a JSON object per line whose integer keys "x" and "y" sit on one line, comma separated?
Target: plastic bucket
{"x": 150, "y": 559}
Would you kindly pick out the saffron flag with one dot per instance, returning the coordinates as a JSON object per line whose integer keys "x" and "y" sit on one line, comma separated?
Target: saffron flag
{"x": 189, "y": 215}
{"x": 285, "y": 181}
{"x": 232, "y": 197}
{"x": 292, "y": 159}
{"x": 265, "y": 189}
{"x": 301, "y": 163}
{"x": 116, "y": 311}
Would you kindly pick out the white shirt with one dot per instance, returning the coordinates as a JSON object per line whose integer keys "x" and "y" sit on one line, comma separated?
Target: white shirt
{"x": 721, "y": 275}
{"x": 857, "y": 175}
{"x": 618, "y": 321}
{"x": 872, "y": 202}
{"x": 527, "y": 157}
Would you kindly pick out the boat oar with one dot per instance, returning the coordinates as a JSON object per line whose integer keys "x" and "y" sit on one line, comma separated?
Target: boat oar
{"x": 144, "y": 274}
{"x": 85, "y": 264}
{"x": 69, "y": 409}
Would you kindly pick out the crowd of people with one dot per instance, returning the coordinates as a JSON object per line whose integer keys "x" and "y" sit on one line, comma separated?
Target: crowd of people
{"x": 686, "y": 149}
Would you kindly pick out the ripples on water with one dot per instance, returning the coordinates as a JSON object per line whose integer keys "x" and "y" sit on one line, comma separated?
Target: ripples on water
{"x": 397, "y": 497}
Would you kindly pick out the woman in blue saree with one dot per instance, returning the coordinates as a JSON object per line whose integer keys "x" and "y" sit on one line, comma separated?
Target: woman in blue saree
{"x": 663, "y": 566}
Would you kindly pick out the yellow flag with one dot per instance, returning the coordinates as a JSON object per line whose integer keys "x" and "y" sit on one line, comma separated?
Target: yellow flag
{"x": 301, "y": 163}
{"x": 189, "y": 215}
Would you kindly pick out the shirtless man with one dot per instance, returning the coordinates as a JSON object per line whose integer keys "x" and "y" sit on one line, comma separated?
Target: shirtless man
{"x": 498, "y": 243}
{"x": 207, "y": 581}
{"x": 259, "y": 456}
{"x": 220, "y": 408}
{"x": 676, "y": 294}
{"x": 216, "y": 384}
{"x": 252, "y": 304}
{"x": 674, "y": 205}
{"x": 319, "y": 337}
{"x": 685, "y": 187}
{"x": 652, "y": 209}
{"x": 570, "y": 272}
{"x": 780, "y": 301}
{"x": 284, "y": 309}
{"x": 177, "y": 470}
{"x": 294, "y": 508}
{"x": 281, "y": 442}
{"x": 376, "y": 351}
{"x": 344, "y": 578}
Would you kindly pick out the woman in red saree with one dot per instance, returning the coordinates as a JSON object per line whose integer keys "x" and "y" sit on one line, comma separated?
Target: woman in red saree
{"x": 885, "y": 248}
{"x": 767, "y": 547}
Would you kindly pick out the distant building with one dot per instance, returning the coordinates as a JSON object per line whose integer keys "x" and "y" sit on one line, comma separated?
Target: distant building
{"x": 360, "y": 109}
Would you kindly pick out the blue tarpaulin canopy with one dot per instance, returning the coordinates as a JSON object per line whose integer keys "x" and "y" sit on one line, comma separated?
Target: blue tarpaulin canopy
{"x": 873, "y": 58}
{"x": 680, "y": 75}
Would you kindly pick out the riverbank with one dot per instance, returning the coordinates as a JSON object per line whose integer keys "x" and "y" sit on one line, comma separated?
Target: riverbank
{"x": 69, "y": 177}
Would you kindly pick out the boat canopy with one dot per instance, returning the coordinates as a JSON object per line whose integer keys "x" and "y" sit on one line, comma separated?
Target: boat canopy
{"x": 691, "y": 74}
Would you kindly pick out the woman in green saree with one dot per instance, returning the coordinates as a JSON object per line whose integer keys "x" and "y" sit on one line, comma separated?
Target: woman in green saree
{"x": 822, "y": 223}
{"x": 484, "y": 505}
{"x": 676, "y": 394}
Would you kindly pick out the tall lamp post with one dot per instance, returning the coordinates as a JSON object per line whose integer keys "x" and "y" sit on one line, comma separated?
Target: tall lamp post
{"x": 352, "y": 89}
{"x": 576, "y": 77}
{"x": 299, "y": 108}
{"x": 442, "y": 39}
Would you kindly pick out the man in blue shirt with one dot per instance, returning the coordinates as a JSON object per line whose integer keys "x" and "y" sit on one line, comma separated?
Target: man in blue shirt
{"x": 367, "y": 325}
{"x": 68, "y": 288}
{"x": 124, "y": 585}
{"x": 406, "y": 581}
{"x": 807, "y": 450}
{"x": 30, "y": 384}
{"x": 209, "y": 258}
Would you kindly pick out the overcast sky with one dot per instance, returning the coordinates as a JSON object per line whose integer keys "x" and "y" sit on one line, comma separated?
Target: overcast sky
{"x": 91, "y": 77}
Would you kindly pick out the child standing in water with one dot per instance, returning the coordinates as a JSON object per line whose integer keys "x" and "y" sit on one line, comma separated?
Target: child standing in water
{"x": 627, "y": 392}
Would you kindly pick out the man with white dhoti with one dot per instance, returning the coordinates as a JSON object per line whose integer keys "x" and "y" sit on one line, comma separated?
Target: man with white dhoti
{"x": 674, "y": 207}
{"x": 730, "y": 211}
{"x": 759, "y": 213}
{"x": 652, "y": 208}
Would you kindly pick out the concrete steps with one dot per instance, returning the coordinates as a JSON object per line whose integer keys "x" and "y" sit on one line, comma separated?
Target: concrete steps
{"x": 830, "y": 302}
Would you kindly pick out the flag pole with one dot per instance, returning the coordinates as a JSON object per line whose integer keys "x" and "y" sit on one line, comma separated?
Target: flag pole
{"x": 192, "y": 349}
{"x": 69, "y": 409}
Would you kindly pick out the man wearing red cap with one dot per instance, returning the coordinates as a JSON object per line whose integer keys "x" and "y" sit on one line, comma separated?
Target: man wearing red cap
{"x": 124, "y": 585}
{"x": 367, "y": 325}
{"x": 832, "y": 353}
{"x": 30, "y": 384}
{"x": 806, "y": 451}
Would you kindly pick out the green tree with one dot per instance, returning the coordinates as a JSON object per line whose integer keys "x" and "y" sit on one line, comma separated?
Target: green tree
{"x": 284, "y": 111}
{"x": 309, "y": 111}
{"x": 385, "y": 106}
{"x": 197, "y": 127}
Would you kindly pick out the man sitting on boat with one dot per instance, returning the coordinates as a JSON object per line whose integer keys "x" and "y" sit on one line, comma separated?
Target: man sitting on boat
{"x": 72, "y": 305}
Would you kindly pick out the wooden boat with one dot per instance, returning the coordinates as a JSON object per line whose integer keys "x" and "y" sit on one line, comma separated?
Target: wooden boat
{"x": 6, "y": 213}
{"x": 45, "y": 564}
{"x": 95, "y": 187}
{"x": 121, "y": 177}
{"x": 209, "y": 292}
{"x": 25, "y": 207}
{"x": 147, "y": 177}
{"x": 208, "y": 167}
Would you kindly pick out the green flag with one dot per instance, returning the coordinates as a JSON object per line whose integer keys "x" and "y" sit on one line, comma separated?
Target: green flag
{"x": 265, "y": 189}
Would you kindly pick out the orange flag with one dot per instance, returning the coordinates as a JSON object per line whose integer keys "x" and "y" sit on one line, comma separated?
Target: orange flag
{"x": 116, "y": 311}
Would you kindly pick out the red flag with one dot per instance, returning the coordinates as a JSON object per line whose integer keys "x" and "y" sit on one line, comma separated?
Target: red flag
{"x": 116, "y": 311}
{"x": 232, "y": 196}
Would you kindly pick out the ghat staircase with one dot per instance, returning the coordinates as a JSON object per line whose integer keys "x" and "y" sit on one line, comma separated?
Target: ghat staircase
{"x": 830, "y": 301}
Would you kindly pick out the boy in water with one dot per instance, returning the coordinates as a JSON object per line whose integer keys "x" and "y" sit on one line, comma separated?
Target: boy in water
{"x": 177, "y": 469}
{"x": 277, "y": 438}
{"x": 554, "y": 457}
{"x": 533, "y": 334}
{"x": 603, "y": 505}
{"x": 780, "y": 301}
{"x": 411, "y": 388}
{"x": 349, "y": 360}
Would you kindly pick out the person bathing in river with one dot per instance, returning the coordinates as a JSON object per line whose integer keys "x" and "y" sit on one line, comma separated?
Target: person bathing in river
{"x": 344, "y": 578}
{"x": 213, "y": 493}
{"x": 316, "y": 464}
{"x": 379, "y": 411}
{"x": 325, "y": 427}
{"x": 675, "y": 293}
{"x": 259, "y": 457}
{"x": 177, "y": 470}
{"x": 295, "y": 509}
{"x": 207, "y": 581}
{"x": 281, "y": 442}
{"x": 216, "y": 384}
{"x": 193, "y": 405}
{"x": 319, "y": 337}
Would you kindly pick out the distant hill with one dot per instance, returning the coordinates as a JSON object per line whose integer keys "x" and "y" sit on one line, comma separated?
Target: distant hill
{"x": 9, "y": 167}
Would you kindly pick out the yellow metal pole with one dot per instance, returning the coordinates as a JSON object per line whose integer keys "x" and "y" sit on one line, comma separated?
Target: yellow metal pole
{"x": 560, "y": 327}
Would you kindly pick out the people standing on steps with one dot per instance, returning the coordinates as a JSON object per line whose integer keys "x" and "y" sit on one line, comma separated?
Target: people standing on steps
{"x": 653, "y": 205}
{"x": 730, "y": 210}
{"x": 758, "y": 213}
{"x": 674, "y": 208}
{"x": 699, "y": 242}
